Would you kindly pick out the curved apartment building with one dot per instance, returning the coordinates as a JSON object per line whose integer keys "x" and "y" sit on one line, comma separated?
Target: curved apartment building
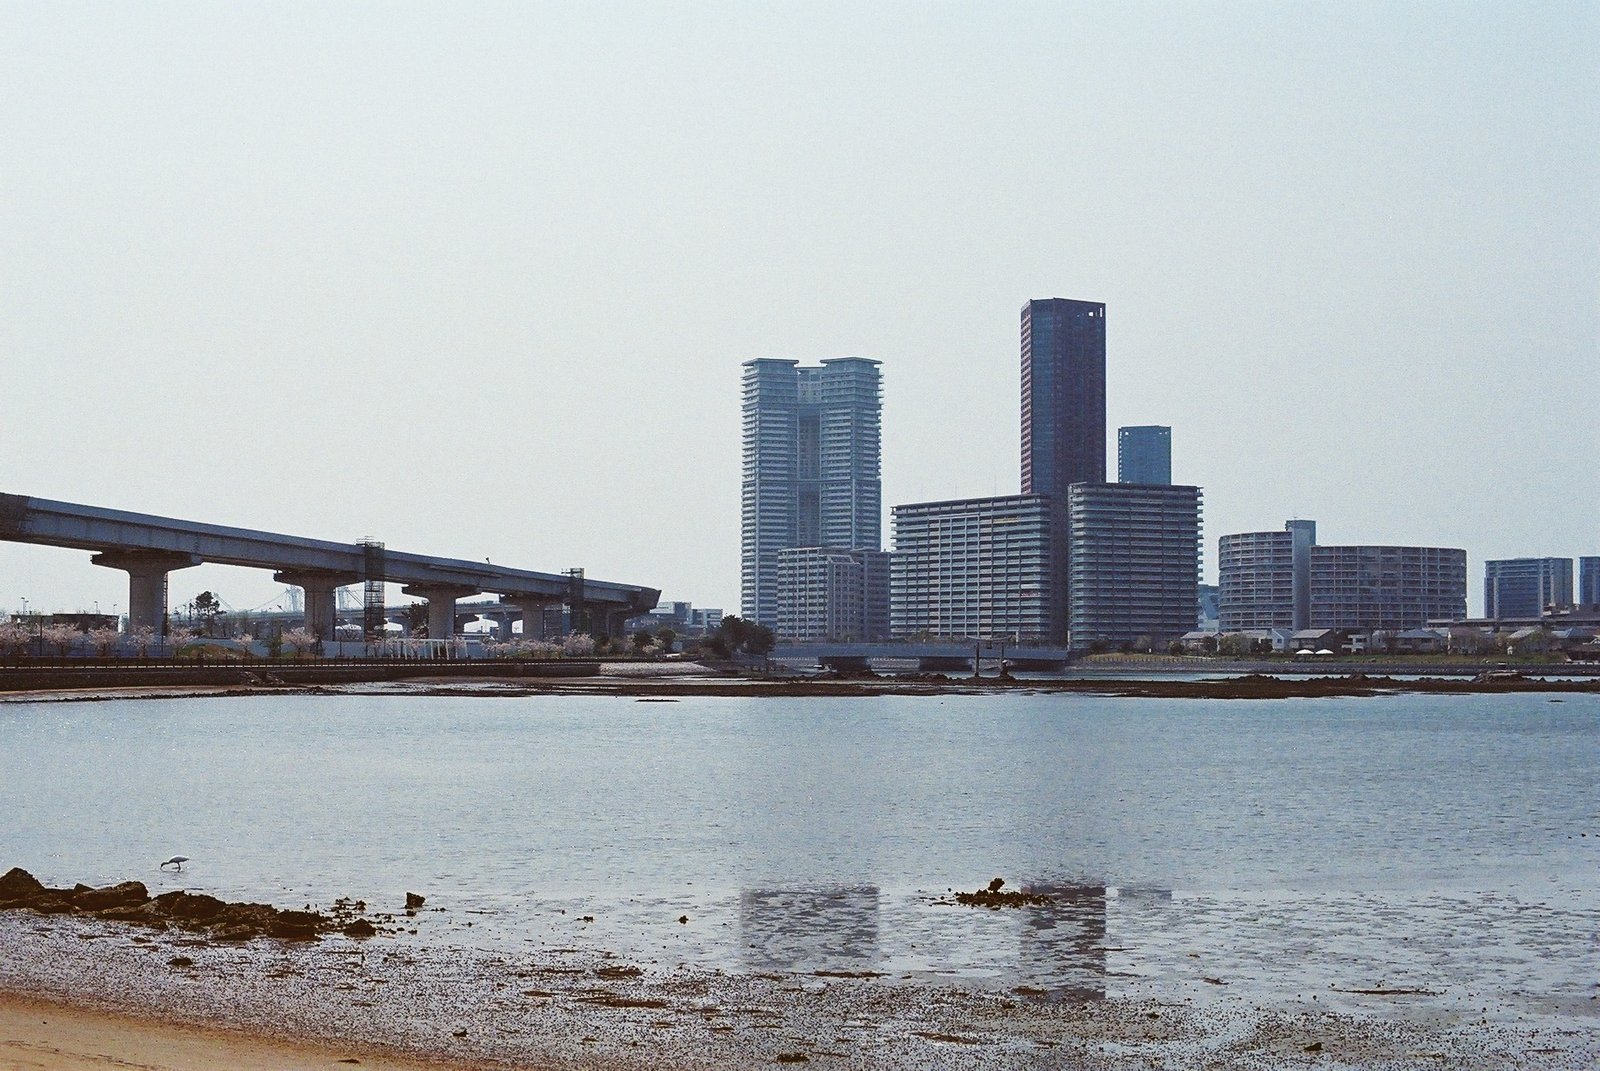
{"x": 1284, "y": 580}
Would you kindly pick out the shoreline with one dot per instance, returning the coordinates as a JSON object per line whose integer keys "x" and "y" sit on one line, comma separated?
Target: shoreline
{"x": 682, "y": 680}
{"x": 81, "y": 992}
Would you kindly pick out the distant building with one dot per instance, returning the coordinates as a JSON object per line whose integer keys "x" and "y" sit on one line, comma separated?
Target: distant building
{"x": 1363, "y": 587}
{"x": 1144, "y": 454}
{"x": 1524, "y": 587}
{"x": 811, "y": 467}
{"x": 1265, "y": 578}
{"x": 1133, "y": 562}
{"x": 975, "y": 569}
{"x": 1589, "y": 582}
{"x": 707, "y": 620}
{"x": 829, "y": 593}
{"x": 1063, "y": 416}
{"x": 1420, "y": 641}
{"x": 1284, "y": 580}
{"x": 681, "y": 617}
{"x": 667, "y": 614}
{"x": 1316, "y": 639}
{"x": 1302, "y": 538}
{"x": 1063, "y": 395}
{"x": 1207, "y": 613}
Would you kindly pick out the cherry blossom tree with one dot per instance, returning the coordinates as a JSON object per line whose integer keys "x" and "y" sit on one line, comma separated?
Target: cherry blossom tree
{"x": 61, "y": 637}
{"x": 178, "y": 638}
{"x": 303, "y": 640}
{"x": 14, "y": 637}
{"x": 577, "y": 645}
{"x": 144, "y": 638}
{"x": 105, "y": 639}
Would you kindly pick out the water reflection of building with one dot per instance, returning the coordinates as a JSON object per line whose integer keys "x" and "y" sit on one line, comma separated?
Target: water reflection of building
{"x": 812, "y": 929}
{"x": 1061, "y": 945}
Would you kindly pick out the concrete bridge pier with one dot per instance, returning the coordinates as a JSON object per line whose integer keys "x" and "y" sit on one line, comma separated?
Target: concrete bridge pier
{"x": 614, "y": 621}
{"x": 147, "y": 581}
{"x": 532, "y": 616}
{"x": 441, "y": 605}
{"x": 322, "y": 602}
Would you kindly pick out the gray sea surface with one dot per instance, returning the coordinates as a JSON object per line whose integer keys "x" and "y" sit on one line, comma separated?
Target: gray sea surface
{"x": 1442, "y": 851}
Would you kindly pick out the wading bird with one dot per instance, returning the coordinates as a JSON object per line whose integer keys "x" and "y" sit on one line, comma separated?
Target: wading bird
{"x": 176, "y": 861}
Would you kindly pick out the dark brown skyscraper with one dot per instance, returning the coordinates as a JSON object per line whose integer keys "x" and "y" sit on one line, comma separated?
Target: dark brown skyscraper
{"x": 1063, "y": 395}
{"x": 1063, "y": 418}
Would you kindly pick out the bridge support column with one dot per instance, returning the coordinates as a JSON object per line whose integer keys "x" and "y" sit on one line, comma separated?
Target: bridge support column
{"x": 441, "y": 605}
{"x": 147, "y": 582}
{"x": 321, "y": 600}
{"x": 614, "y": 621}
{"x": 532, "y": 616}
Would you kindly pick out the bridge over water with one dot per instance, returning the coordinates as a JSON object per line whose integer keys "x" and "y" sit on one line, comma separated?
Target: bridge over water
{"x": 148, "y": 548}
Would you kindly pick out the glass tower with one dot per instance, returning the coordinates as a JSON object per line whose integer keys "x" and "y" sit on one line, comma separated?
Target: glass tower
{"x": 1063, "y": 395}
{"x": 812, "y": 463}
{"x": 1063, "y": 418}
{"x": 1144, "y": 454}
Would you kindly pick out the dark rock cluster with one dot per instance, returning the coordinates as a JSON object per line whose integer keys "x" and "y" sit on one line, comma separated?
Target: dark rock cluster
{"x": 995, "y": 897}
{"x": 130, "y": 901}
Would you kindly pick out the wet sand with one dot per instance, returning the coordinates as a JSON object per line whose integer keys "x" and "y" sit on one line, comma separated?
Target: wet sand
{"x": 174, "y": 1001}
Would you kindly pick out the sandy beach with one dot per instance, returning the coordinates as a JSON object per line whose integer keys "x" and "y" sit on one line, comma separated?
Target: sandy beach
{"x": 41, "y": 1035}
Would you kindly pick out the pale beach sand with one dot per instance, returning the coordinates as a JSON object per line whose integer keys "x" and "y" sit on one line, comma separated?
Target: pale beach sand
{"x": 38, "y": 1035}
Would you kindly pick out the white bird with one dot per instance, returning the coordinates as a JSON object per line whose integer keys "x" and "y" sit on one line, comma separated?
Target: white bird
{"x": 176, "y": 861}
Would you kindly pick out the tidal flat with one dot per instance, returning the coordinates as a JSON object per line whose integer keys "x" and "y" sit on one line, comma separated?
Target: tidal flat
{"x": 587, "y": 1008}
{"x": 1395, "y": 880}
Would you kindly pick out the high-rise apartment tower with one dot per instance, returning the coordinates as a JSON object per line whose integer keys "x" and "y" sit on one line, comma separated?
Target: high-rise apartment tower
{"x": 1063, "y": 395}
{"x": 974, "y": 568}
{"x": 1589, "y": 581}
{"x": 1063, "y": 419}
{"x": 1526, "y": 587}
{"x": 811, "y": 467}
{"x": 1135, "y": 562}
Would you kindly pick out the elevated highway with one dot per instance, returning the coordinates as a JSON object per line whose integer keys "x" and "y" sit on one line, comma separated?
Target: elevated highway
{"x": 147, "y": 548}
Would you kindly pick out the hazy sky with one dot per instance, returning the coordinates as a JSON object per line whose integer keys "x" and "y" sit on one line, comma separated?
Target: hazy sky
{"x": 476, "y": 280}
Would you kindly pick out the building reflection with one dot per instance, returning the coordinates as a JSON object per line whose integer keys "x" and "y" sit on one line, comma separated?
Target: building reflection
{"x": 810, "y": 929}
{"x": 1062, "y": 944}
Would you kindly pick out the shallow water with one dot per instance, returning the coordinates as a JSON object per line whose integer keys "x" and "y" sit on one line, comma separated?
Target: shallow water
{"x": 1272, "y": 849}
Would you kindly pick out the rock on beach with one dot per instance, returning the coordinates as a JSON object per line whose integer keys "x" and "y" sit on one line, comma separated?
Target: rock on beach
{"x": 131, "y": 902}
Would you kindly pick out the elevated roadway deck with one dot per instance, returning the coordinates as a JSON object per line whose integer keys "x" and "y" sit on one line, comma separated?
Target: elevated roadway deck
{"x": 149, "y": 547}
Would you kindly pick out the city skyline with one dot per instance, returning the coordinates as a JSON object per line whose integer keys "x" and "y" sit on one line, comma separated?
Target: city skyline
{"x": 465, "y": 285}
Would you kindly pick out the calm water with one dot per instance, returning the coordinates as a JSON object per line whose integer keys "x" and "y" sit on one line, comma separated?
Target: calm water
{"x": 1445, "y": 843}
